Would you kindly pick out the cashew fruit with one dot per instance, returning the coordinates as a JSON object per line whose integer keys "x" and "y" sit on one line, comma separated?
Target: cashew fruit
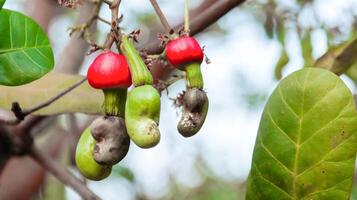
{"x": 142, "y": 114}
{"x": 194, "y": 112}
{"x": 86, "y": 165}
{"x": 112, "y": 139}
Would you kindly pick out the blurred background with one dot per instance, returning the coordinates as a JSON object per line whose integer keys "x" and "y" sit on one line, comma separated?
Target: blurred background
{"x": 249, "y": 48}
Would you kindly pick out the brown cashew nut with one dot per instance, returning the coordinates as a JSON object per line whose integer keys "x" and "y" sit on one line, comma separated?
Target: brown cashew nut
{"x": 195, "y": 107}
{"x": 112, "y": 140}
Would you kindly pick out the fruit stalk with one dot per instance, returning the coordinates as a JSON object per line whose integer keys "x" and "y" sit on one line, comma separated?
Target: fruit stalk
{"x": 114, "y": 101}
{"x": 140, "y": 74}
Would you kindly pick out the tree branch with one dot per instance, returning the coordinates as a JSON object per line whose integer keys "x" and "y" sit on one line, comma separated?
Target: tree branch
{"x": 71, "y": 57}
{"x": 340, "y": 58}
{"x": 200, "y": 22}
{"x": 114, "y": 7}
{"x": 21, "y": 114}
{"x": 161, "y": 16}
{"x": 53, "y": 99}
{"x": 69, "y": 62}
{"x": 62, "y": 174}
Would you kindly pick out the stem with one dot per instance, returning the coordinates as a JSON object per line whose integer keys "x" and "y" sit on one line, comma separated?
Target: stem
{"x": 114, "y": 101}
{"x": 161, "y": 16}
{"x": 114, "y": 7}
{"x": 55, "y": 98}
{"x": 194, "y": 76}
{"x": 203, "y": 20}
{"x": 103, "y": 20}
{"x": 140, "y": 74}
{"x": 63, "y": 175}
{"x": 21, "y": 114}
{"x": 187, "y": 16}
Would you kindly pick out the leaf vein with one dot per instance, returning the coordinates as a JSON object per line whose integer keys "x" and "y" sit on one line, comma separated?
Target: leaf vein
{"x": 271, "y": 183}
{"x": 34, "y": 62}
{"x": 320, "y": 100}
{"x": 281, "y": 130}
{"x": 22, "y": 48}
{"x": 299, "y": 132}
{"x": 272, "y": 155}
{"x": 326, "y": 125}
{"x": 286, "y": 103}
{"x": 327, "y": 189}
{"x": 323, "y": 158}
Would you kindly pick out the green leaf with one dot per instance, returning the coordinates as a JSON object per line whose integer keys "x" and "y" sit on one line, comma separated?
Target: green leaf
{"x": 1, "y": 3}
{"x": 83, "y": 99}
{"x": 306, "y": 143}
{"x": 25, "y": 50}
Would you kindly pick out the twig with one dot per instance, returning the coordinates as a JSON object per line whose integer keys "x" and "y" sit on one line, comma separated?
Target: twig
{"x": 113, "y": 36}
{"x": 53, "y": 99}
{"x": 21, "y": 114}
{"x": 114, "y": 7}
{"x": 201, "y": 22}
{"x": 107, "y": 2}
{"x": 163, "y": 85}
{"x": 62, "y": 174}
{"x": 161, "y": 15}
{"x": 187, "y": 16}
{"x": 83, "y": 28}
{"x": 97, "y": 1}
{"x": 103, "y": 20}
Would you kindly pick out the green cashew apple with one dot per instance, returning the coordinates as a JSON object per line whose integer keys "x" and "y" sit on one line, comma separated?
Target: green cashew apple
{"x": 85, "y": 162}
{"x": 142, "y": 114}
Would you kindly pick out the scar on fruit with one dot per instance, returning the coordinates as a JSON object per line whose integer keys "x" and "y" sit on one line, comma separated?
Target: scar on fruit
{"x": 112, "y": 140}
{"x": 195, "y": 106}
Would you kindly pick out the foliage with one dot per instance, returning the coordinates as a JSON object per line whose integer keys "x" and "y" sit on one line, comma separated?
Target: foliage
{"x": 2, "y": 2}
{"x": 25, "y": 50}
{"x": 306, "y": 143}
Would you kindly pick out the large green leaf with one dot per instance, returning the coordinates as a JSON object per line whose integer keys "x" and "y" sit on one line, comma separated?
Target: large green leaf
{"x": 25, "y": 50}
{"x": 306, "y": 143}
{"x": 1, "y": 3}
{"x": 83, "y": 99}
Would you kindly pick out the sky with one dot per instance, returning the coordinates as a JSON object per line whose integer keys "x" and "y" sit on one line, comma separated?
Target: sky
{"x": 242, "y": 63}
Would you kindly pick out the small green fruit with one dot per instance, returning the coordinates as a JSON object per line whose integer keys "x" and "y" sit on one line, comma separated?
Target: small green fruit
{"x": 142, "y": 114}
{"x": 85, "y": 161}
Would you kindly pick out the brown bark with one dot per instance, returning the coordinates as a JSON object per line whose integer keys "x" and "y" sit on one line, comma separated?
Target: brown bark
{"x": 205, "y": 15}
{"x": 31, "y": 176}
{"x": 23, "y": 172}
{"x": 201, "y": 21}
{"x": 22, "y": 177}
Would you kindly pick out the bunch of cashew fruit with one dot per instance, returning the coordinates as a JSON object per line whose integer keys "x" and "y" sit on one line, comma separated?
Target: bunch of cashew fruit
{"x": 134, "y": 115}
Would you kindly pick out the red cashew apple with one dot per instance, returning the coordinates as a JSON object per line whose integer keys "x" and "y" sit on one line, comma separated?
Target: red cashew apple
{"x": 186, "y": 54}
{"x": 110, "y": 72}
{"x": 184, "y": 50}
